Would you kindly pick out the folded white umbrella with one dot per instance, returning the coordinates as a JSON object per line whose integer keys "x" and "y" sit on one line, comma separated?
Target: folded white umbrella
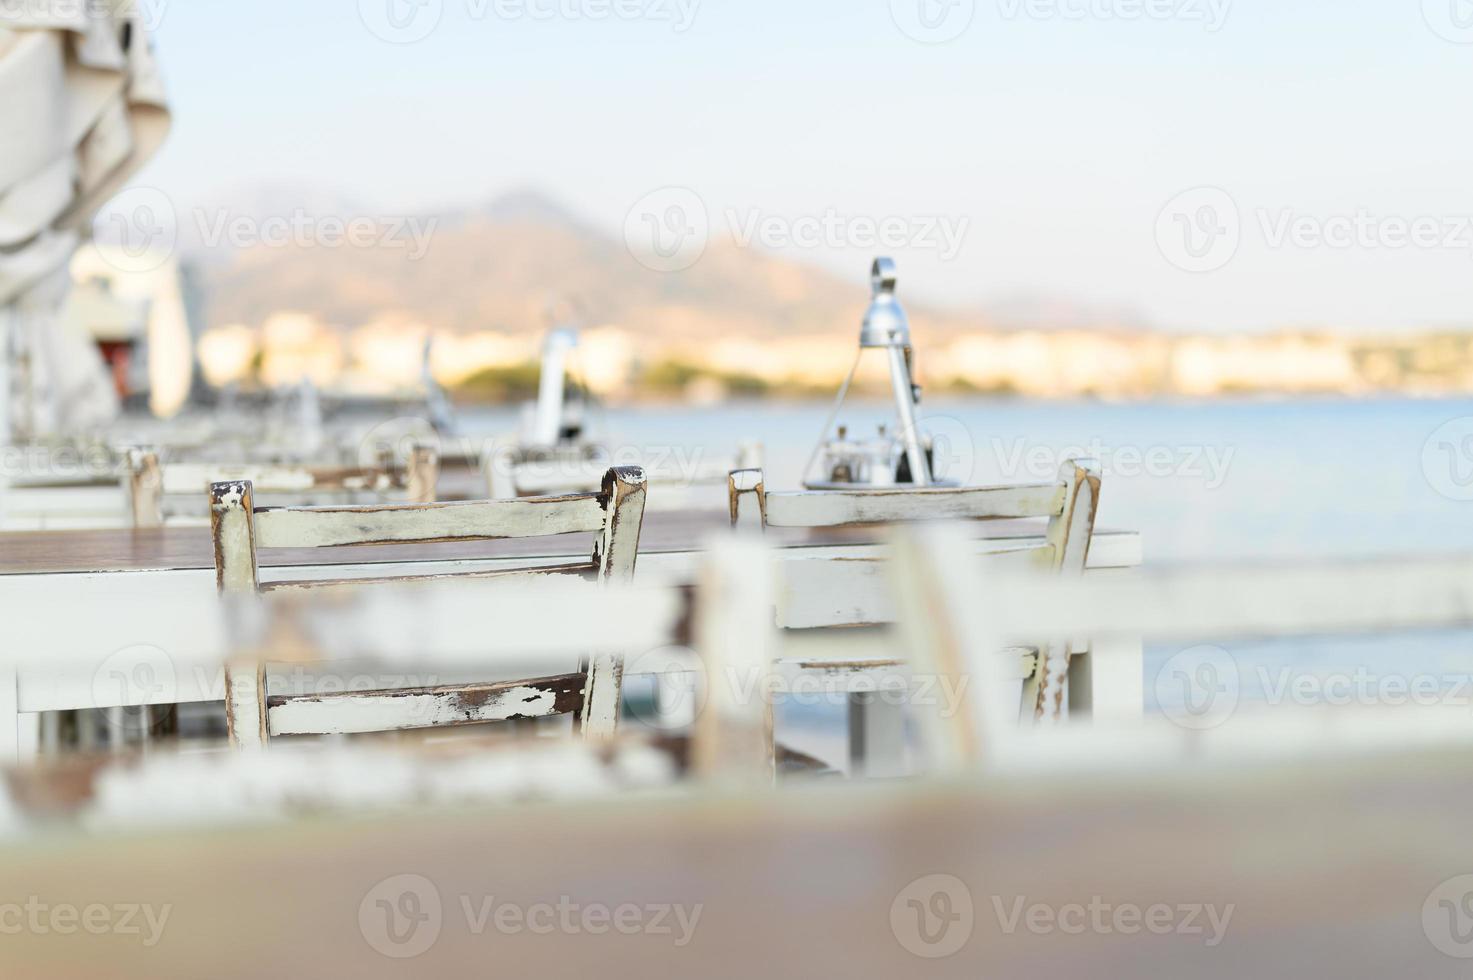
{"x": 84, "y": 108}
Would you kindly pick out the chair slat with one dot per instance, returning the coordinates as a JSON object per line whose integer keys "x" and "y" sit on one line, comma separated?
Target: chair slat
{"x": 839, "y": 508}
{"x": 533, "y": 574}
{"x": 357, "y": 712}
{"x": 320, "y": 527}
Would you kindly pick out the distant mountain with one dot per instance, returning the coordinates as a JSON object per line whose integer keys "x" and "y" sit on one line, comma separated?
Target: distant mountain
{"x": 500, "y": 266}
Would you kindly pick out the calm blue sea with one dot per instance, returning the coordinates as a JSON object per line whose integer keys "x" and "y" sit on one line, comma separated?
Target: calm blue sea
{"x": 1237, "y": 480}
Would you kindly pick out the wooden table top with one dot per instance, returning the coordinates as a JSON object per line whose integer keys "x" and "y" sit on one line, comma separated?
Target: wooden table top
{"x": 1324, "y": 867}
{"x": 130, "y": 550}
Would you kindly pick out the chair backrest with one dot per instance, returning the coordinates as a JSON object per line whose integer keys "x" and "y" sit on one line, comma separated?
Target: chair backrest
{"x": 148, "y": 482}
{"x": 1069, "y": 504}
{"x": 840, "y": 593}
{"x": 240, "y": 529}
{"x": 751, "y": 502}
{"x": 614, "y": 516}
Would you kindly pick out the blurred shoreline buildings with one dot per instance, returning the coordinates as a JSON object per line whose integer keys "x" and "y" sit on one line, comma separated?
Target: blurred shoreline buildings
{"x": 381, "y": 358}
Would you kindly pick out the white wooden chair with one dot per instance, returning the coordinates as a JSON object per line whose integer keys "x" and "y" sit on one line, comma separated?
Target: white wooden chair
{"x": 149, "y": 484}
{"x": 239, "y": 529}
{"x": 836, "y": 590}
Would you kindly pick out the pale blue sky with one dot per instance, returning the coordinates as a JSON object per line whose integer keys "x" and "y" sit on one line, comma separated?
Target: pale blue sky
{"x": 1058, "y": 139}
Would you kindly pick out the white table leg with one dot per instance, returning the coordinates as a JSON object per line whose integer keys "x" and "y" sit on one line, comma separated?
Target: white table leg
{"x": 50, "y": 732}
{"x": 1107, "y": 684}
{"x": 876, "y": 737}
{"x": 10, "y": 719}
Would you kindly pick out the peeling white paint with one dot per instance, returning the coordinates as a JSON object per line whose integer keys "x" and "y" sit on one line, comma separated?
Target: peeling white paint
{"x": 370, "y": 712}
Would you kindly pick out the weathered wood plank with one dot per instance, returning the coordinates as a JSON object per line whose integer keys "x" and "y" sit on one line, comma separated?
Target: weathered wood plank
{"x": 1070, "y": 534}
{"x": 347, "y": 584}
{"x": 320, "y": 527}
{"x": 838, "y": 508}
{"x": 412, "y": 708}
{"x": 233, "y": 529}
{"x": 245, "y": 704}
{"x": 747, "y": 500}
{"x": 624, "y": 492}
{"x": 144, "y": 485}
